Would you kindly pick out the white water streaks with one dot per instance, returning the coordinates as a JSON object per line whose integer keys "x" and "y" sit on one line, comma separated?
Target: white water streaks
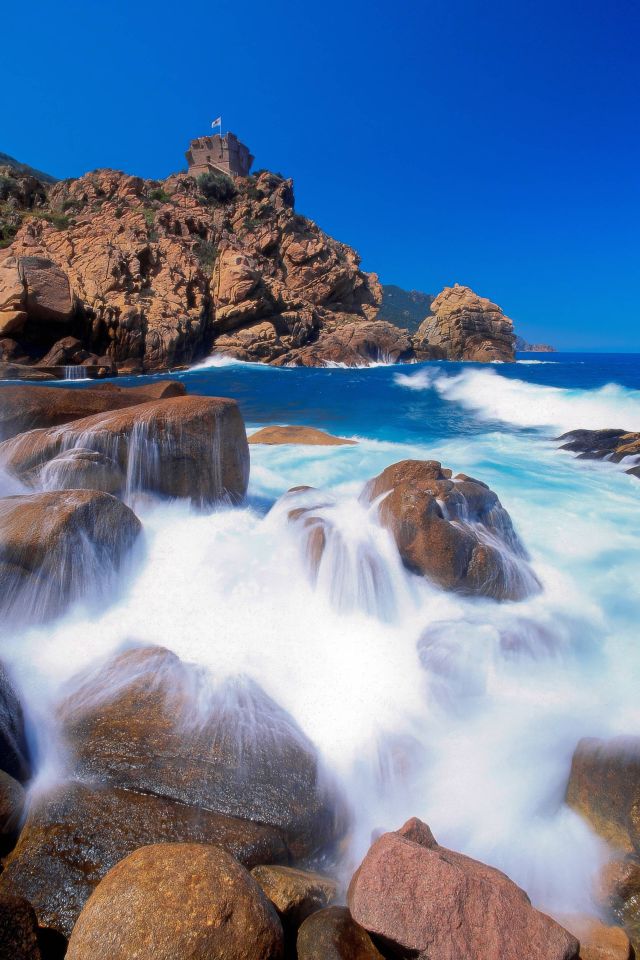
{"x": 491, "y": 396}
{"x": 463, "y": 712}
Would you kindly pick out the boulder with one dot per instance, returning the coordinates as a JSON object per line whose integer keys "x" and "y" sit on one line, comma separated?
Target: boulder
{"x": 307, "y": 436}
{"x": 431, "y": 903}
{"x": 12, "y": 801}
{"x": 14, "y": 750}
{"x": 175, "y": 901}
{"x": 18, "y": 930}
{"x": 614, "y": 445}
{"x": 136, "y": 723}
{"x": 68, "y": 350}
{"x": 332, "y": 934}
{"x": 77, "y": 832}
{"x": 36, "y": 286}
{"x": 354, "y": 345}
{"x": 55, "y": 547}
{"x": 464, "y": 326}
{"x": 597, "y": 940}
{"x": 193, "y": 447}
{"x": 295, "y": 894}
{"x": 25, "y": 407}
{"x": 604, "y": 787}
{"x": 452, "y": 530}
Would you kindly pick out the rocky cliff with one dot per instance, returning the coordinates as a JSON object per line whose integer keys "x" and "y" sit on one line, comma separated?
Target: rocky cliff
{"x": 115, "y": 272}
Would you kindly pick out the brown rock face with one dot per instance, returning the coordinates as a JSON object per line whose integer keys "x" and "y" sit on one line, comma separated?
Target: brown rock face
{"x": 26, "y": 408}
{"x": 18, "y": 930}
{"x": 308, "y": 436}
{"x": 134, "y": 724}
{"x": 192, "y": 447}
{"x": 453, "y": 531}
{"x": 160, "y": 273}
{"x": 604, "y": 787}
{"x": 12, "y": 799}
{"x": 14, "y": 751}
{"x": 353, "y": 344}
{"x": 55, "y": 546}
{"x": 37, "y": 287}
{"x": 434, "y": 904}
{"x": 295, "y": 894}
{"x": 597, "y": 940}
{"x": 76, "y": 833}
{"x": 332, "y": 934}
{"x": 464, "y": 326}
{"x": 174, "y": 901}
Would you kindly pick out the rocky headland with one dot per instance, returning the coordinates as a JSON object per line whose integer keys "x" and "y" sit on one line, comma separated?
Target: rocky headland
{"x": 112, "y": 272}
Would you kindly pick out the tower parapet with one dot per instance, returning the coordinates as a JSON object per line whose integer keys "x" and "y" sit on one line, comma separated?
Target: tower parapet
{"x": 226, "y": 154}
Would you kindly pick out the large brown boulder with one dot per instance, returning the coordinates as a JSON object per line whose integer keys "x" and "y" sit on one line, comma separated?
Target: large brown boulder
{"x": 132, "y": 723}
{"x": 333, "y": 934}
{"x": 75, "y": 833}
{"x": 354, "y": 345}
{"x": 431, "y": 903}
{"x": 177, "y": 902}
{"x": 452, "y": 530}
{"x": 36, "y": 287}
{"x": 604, "y": 787}
{"x": 308, "y": 436}
{"x": 54, "y": 547}
{"x": 295, "y": 894}
{"x": 26, "y": 407}
{"x": 193, "y": 447}
{"x": 464, "y": 326}
{"x": 598, "y": 941}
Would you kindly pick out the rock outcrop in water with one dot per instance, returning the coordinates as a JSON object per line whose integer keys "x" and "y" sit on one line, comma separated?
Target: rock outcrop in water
{"x": 58, "y": 546}
{"x": 307, "y": 436}
{"x": 452, "y": 530}
{"x": 180, "y": 901}
{"x": 193, "y": 447}
{"x": 464, "y": 326}
{"x": 425, "y": 901}
{"x": 615, "y": 445}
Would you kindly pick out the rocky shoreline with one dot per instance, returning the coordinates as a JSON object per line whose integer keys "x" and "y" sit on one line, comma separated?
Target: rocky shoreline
{"x": 197, "y": 820}
{"x": 112, "y": 273}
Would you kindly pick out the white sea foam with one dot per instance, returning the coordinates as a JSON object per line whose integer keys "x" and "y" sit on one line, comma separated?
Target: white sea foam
{"x": 493, "y": 397}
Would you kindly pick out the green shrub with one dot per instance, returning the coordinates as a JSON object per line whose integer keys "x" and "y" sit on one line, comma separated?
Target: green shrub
{"x": 149, "y": 216}
{"x": 160, "y": 195}
{"x": 206, "y": 252}
{"x": 215, "y": 186}
{"x": 7, "y": 188}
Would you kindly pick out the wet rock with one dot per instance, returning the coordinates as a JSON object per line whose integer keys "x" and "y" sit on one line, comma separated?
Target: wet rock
{"x": 464, "y": 326}
{"x": 613, "y": 445}
{"x": 52, "y": 544}
{"x": 193, "y": 447}
{"x": 171, "y": 901}
{"x": 14, "y": 750}
{"x": 452, "y": 530}
{"x": 604, "y": 787}
{"x": 12, "y": 801}
{"x": 25, "y": 407}
{"x": 430, "y": 902}
{"x": 308, "y": 436}
{"x": 18, "y": 930}
{"x": 295, "y": 894}
{"x": 146, "y": 721}
{"x": 354, "y": 345}
{"x": 74, "y": 834}
{"x": 82, "y": 469}
{"x": 597, "y": 940}
{"x": 332, "y": 934}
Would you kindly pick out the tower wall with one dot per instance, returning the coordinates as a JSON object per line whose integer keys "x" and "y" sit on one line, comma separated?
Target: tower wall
{"x": 226, "y": 154}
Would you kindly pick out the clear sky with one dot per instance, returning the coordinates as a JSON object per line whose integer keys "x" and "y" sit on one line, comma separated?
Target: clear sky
{"x": 495, "y": 144}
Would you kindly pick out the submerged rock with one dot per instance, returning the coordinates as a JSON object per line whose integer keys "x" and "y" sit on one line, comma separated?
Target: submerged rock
{"x": 604, "y": 787}
{"x": 613, "y": 445}
{"x": 56, "y": 547}
{"x": 173, "y": 901}
{"x": 193, "y": 447}
{"x": 295, "y": 894}
{"x": 75, "y": 833}
{"x": 333, "y": 934}
{"x": 464, "y": 326}
{"x": 308, "y": 436}
{"x": 431, "y": 903}
{"x": 26, "y": 408}
{"x": 146, "y": 721}
{"x": 452, "y": 530}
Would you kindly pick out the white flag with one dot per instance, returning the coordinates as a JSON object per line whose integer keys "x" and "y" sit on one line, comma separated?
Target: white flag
{"x": 217, "y": 122}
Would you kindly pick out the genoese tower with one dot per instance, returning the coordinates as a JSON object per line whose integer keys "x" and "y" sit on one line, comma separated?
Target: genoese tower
{"x": 224, "y": 153}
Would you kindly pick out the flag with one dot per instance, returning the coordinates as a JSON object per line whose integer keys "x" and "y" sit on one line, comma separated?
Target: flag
{"x": 217, "y": 122}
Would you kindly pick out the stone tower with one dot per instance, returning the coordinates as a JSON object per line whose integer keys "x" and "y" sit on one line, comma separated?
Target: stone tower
{"x": 226, "y": 154}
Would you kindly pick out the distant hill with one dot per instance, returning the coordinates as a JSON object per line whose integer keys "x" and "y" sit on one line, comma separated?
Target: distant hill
{"x": 405, "y": 308}
{"x": 7, "y": 161}
{"x": 523, "y": 347}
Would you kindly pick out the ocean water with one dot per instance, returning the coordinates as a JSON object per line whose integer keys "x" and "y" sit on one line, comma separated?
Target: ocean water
{"x": 464, "y": 712}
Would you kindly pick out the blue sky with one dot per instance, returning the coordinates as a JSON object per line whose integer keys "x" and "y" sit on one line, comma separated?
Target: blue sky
{"x": 495, "y": 144}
